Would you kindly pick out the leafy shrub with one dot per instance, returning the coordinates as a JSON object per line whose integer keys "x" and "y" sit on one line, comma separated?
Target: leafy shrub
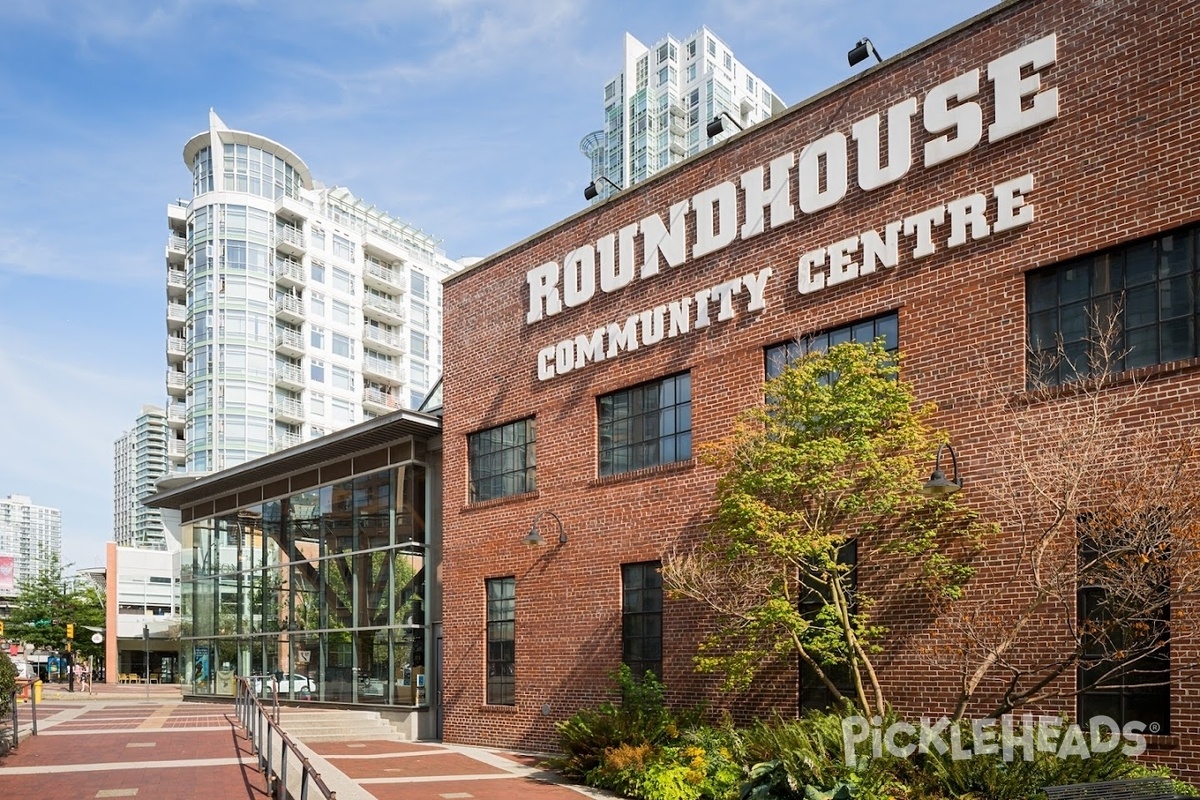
{"x": 640, "y": 749}
{"x": 8, "y": 683}
{"x": 640, "y": 718}
{"x": 806, "y": 757}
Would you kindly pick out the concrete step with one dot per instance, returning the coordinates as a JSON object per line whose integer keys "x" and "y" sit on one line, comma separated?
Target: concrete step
{"x": 335, "y": 725}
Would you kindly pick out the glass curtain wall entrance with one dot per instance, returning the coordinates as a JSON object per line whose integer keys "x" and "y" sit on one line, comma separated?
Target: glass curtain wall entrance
{"x": 326, "y": 586}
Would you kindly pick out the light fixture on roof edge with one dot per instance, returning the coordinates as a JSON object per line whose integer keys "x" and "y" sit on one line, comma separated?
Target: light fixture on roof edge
{"x": 862, "y": 50}
{"x": 716, "y": 127}
{"x": 591, "y": 190}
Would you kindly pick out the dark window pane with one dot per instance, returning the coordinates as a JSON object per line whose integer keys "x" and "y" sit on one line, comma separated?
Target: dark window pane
{"x": 501, "y": 640}
{"x": 641, "y": 617}
{"x": 1074, "y": 283}
{"x": 1155, "y": 316}
{"x": 501, "y": 460}
{"x": 1176, "y": 340}
{"x": 887, "y": 326}
{"x": 1041, "y": 291}
{"x": 638, "y": 427}
{"x": 1139, "y": 264}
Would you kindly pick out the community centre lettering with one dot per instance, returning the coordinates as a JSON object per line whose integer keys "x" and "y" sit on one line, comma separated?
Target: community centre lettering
{"x": 811, "y": 180}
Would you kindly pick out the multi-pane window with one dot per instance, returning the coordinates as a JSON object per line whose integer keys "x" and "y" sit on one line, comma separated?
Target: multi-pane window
{"x": 503, "y": 460}
{"x": 343, "y": 281}
{"x": 885, "y": 327}
{"x": 1124, "y": 613}
{"x": 418, "y": 344}
{"x": 343, "y": 378}
{"x": 419, "y": 284}
{"x": 318, "y": 272}
{"x": 641, "y": 617}
{"x": 316, "y": 337}
{"x": 501, "y": 641}
{"x": 341, "y": 312}
{"x": 341, "y": 411}
{"x": 343, "y": 345}
{"x": 342, "y": 247}
{"x": 646, "y": 425}
{"x": 316, "y": 370}
{"x": 1129, "y": 307}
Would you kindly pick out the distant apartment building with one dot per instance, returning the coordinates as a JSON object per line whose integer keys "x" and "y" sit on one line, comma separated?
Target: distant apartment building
{"x": 658, "y": 107}
{"x": 30, "y": 538}
{"x": 293, "y": 309}
{"x": 139, "y": 460}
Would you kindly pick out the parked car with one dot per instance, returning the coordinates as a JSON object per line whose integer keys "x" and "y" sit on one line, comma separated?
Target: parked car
{"x": 297, "y": 684}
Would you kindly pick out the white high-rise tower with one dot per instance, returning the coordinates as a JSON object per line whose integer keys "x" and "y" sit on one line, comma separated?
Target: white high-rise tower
{"x": 293, "y": 309}
{"x": 30, "y": 537}
{"x": 139, "y": 460}
{"x": 657, "y": 109}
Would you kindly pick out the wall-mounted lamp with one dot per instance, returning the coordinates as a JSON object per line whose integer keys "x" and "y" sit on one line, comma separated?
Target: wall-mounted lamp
{"x": 534, "y": 537}
{"x": 716, "y": 127}
{"x": 862, "y": 50}
{"x": 591, "y": 190}
{"x": 938, "y": 484}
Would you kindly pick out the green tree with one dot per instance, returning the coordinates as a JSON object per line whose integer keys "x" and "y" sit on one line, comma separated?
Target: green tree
{"x": 832, "y": 462}
{"x": 8, "y": 683}
{"x": 47, "y": 603}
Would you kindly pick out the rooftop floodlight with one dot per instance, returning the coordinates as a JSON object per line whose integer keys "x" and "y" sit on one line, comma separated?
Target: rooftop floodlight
{"x": 535, "y": 538}
{"x": 716, "y": 127}
{"x": 862, "y": 50}
{"x": 592, "y": 190}
{"x": 938, "y": 484}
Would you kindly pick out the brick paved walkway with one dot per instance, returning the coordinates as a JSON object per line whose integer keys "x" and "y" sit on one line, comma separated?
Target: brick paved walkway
{"x": 402, "y": 770}
{"x": 116, "y": 744}
{"x": 102, "y": 748}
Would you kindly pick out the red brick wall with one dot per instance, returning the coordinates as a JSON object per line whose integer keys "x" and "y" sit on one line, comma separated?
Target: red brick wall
{"x": 1120, "y": 162}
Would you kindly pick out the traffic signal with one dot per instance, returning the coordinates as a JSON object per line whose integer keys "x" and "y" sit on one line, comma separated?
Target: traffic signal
{"x": 70, "y": 630}
{"x": 1, "y": 627}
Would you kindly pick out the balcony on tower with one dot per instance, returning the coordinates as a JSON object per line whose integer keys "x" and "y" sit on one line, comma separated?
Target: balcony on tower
{"x": 289, "y": 341}
{"x": 177, "y": 415}
{"x": 287, "y": 436}
{"x": 289, "y": 408}
{"x": 176, "y": 452}
{"x": 379, "y": 401}
{"x": 384, "y": 370}
{"x": 288, "y": 271}
{"x": 176, "y": 349}
{"x": 289, "y": 307}
{"x": 288, "y": 239}
{"x": 383, "y": 307}
{"x": 289, "y": 374}
{"x": 383, "y": 339}
{"x": 176, "y": 313}
{"x": 176, "y": 383}
{"x": 176, "y": 249}
{"x": 293, "y": 209}
{"x": 176, "y": 283}
{"x": 389, "y": 278}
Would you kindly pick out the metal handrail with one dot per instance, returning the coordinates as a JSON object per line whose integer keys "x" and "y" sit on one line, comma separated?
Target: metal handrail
{"x": 26, "y": 685}
{"x": 261, "y": 729}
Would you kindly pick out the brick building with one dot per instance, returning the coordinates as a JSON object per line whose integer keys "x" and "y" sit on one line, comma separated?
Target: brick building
{"x": 948, "y": 199}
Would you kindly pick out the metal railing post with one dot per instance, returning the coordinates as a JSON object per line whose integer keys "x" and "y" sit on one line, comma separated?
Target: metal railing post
{"x": 16, "y": 721}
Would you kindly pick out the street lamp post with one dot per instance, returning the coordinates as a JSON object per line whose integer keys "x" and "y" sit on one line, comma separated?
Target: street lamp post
{"x": 146, "y": 644}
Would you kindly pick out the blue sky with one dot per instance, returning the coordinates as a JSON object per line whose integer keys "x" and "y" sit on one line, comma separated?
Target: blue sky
{"x": 460, "y": 117}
